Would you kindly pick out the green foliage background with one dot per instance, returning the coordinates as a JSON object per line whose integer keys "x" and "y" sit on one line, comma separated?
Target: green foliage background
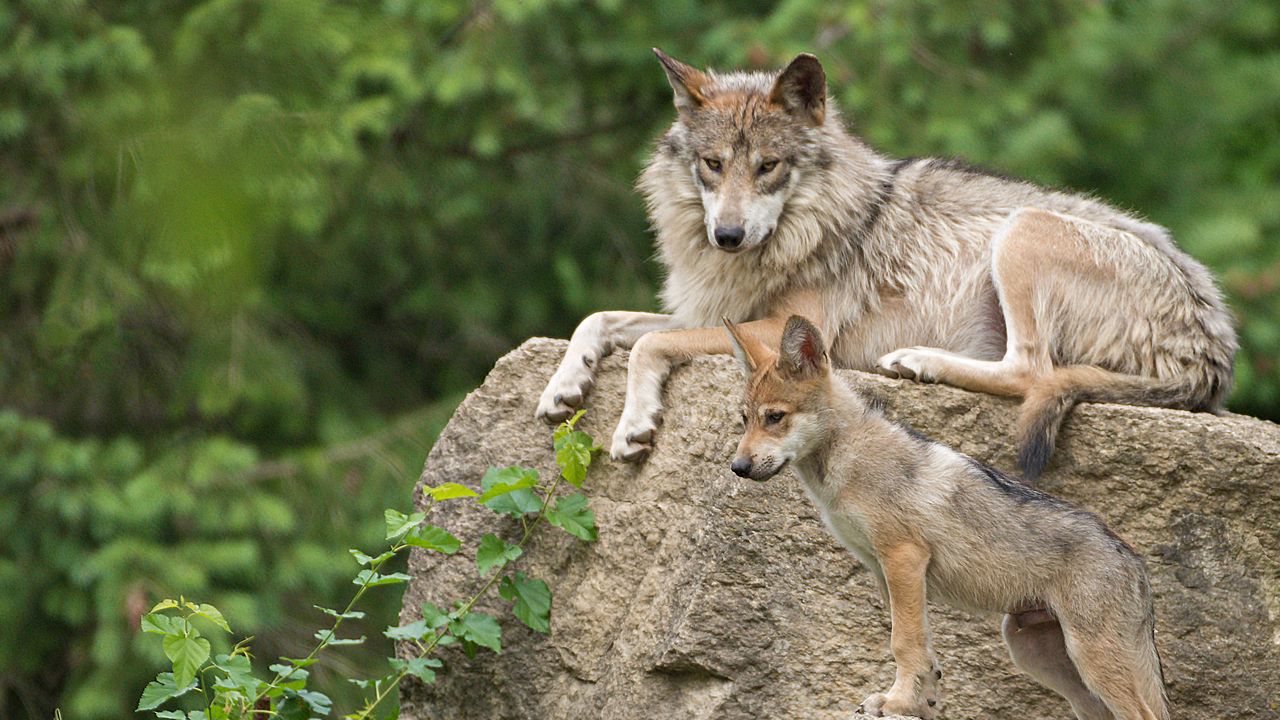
{"x": 252, "y": 252}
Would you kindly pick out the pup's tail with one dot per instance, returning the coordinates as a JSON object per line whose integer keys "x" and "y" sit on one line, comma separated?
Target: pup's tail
{"x": 1050, "y": 399}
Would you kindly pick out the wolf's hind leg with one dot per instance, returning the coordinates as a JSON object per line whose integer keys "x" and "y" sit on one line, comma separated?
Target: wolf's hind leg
{"x": 1040, "y": 651}
{"x": 595, "y": 337}
{"x": 1028, "y": 254}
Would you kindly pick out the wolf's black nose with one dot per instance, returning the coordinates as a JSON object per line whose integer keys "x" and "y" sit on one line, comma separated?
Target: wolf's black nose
{"x": 741, "y": 467}
{"x": 730, "y": 237}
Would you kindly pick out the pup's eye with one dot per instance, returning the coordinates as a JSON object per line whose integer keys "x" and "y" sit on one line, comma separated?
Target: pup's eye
{"x": 744, "y": 418}
{"x": 773, "y": 418}
{"x": 767, "y": 166}
{"x": 713, "y": 164}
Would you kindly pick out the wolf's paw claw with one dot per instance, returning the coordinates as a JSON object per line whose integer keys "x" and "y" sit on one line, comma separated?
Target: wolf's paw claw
{"x": 562, "y": 398}
{"x": 632, "y": 443}
{"x": 908, "y": 363}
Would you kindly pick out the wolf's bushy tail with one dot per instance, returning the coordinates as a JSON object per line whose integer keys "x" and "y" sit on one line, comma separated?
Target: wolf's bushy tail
{"x": 1049, "y": 400}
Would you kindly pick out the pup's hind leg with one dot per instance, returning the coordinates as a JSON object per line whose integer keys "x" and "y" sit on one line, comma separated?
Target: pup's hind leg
{"x": 595, "y": 337}
{"x": 1124, "y": 677}
{"x": 1033, "y": 246}
{"x": 1040, "y": 651}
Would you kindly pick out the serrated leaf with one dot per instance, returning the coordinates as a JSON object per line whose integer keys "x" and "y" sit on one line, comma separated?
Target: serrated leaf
{"x": 493, "y": 551}
{"x": 415, "y": 630}
{"x": 161, "y": 624}
{"x": 572, "y": 515}
{"x": 327, "y": 637}
{"x": 319, "y": 702}
{"x": 366, "y": 559}
{"x": 434, "y": 616}
{"x": 164, "y": 605}
{"x": 433, "y": 538}
{"x": 373, "y": 579}
{"x": 516, "y": 502}
{"x": 506, "y": 481}
{"x": 282, "y": 669}
{"x": 188, "y": 653}
{"x": 212, "y": 614}
{"x": 419, "y": 667}
{"x": 239, "y": 674}
{"x": 164, "y": 687}
{"x": 479, "y": 629}
{"x": 574, "y": 449}
{"x": 171, "y": 715}
{"x": 350, "y": 615}
{"x": 532, "y": 600}
{"x": 398, "y": 523}
{"x": 449, "y": 491}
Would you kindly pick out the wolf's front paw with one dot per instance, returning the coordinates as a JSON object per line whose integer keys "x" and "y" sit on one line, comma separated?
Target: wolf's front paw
{"x": 564, "y": 394}
{"x": 915, "y": 363}
{"x": 633, "y": 439}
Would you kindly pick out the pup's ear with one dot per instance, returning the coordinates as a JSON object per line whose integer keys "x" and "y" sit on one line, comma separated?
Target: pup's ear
{"x": 801, "y": 89}
{"x": 749, "y": 352}
{"x": 687, "y": 82}
{"x": 803, "y": 353}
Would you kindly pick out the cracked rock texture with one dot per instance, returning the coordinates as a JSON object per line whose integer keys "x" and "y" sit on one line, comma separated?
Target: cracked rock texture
{"x": 709, "y": 596}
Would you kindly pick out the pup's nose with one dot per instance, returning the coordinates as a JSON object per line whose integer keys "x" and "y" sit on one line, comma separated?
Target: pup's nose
{"x": 730, "y": 237}
{"x": 741, "y": 466}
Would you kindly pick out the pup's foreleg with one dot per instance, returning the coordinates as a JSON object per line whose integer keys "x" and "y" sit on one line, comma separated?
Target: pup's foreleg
{"x": 595, "y": 337}
{"x": 916, "y": 688}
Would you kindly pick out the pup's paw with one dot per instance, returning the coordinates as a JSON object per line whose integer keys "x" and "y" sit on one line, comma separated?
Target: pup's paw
{"x": 566, "y": 391}
{"x": 633, "y": 439}
{"x": 881, "y": 705}
{"x": 915, "y": 363}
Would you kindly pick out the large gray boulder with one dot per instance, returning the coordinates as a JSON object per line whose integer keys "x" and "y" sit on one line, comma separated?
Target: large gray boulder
{"x": 709, "y": 596}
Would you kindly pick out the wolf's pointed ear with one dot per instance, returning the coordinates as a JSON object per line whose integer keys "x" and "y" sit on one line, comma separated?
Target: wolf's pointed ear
{"x": 801, "y": 89}
{"x": 746, "y": 349}
{"x": 803, "y": 353}
{"x": 688, "y": 82}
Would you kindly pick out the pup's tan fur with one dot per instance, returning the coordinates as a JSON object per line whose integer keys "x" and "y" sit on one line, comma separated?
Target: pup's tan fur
{"x": 765, "y": 206}
{"x": 927, "y": 520}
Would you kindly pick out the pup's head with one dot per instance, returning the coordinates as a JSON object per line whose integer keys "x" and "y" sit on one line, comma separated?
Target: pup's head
{"x": 746, "y": 139}
{"x": 787, "y": 394}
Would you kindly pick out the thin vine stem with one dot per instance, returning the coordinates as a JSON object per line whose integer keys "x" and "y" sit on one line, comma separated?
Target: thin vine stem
{"x": 529, "y": 527}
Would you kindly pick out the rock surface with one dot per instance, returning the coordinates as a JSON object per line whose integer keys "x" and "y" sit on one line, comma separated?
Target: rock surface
{"x": 708, "y": 596}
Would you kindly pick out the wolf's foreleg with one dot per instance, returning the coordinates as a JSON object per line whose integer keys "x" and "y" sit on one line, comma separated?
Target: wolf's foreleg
{"x": 916, "y": 688}
{"x": 595, "y": 337}
{"x": 651, "y": 361}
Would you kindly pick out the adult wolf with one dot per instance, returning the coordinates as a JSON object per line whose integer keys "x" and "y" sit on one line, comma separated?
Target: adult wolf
{"x": 765, "y": 206}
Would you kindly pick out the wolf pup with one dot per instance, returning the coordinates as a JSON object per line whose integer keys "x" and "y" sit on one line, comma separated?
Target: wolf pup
{"x": 927, "y": 520}
{"x": 765, "y": 206}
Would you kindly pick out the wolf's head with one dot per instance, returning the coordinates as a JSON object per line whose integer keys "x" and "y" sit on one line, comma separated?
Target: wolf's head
{"x": 746, "y": 139}
{"x": 788, "y": 394}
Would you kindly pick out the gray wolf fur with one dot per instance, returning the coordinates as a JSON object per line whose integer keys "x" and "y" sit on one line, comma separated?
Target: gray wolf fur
{"x": 765, "y": 206}
{"x": 927, "y": 520}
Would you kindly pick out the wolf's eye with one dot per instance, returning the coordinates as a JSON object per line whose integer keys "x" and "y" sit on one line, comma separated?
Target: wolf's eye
{"x": 767, "y": 166}
{"x": 774, "y": 418}
{"x": 713, "y": 164}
